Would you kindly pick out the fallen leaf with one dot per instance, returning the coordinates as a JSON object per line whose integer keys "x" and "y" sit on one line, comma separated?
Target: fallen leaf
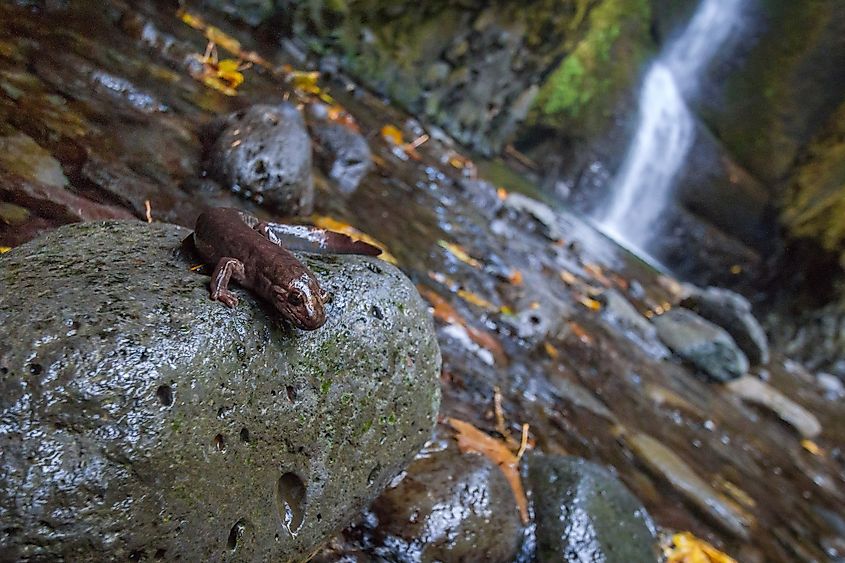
{"x": 392, "y": 135}
{"x": 589, "y": 303}
{"x": 476, "y": 300}
{"x": 331, "y": 224}
{"x": 595, "y": 271}
{"x": 582, "y": 334}
{"x": 808, "y": 445}
{"x": 551, "y": 351}
{"x": 471, "y": 439}
{"x": 458, "y": 252}
{"x": 515, "y": 277}
{"x": 684, "y": 547}
{"x": 226, "y": 41}
{"x": 501, "y": 193}
{"x": 5, "y": 249}
{"x": 444, "y": 312}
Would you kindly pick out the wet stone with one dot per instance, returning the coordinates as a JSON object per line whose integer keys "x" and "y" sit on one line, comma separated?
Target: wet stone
{"x": 732, "y": 312}
{"x": 343, "y": 154}
{"x": 448, "y": 507}
{"x": 583, "y": 513}
{"x": 135, "y": 406}
{"x": 264, "y": 153}
{"x": 619, "y": 313}
{"x": 702, "y": 344}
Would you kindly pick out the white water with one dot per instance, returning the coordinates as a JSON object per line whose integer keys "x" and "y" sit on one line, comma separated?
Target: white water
{"x": 643, "y": 189}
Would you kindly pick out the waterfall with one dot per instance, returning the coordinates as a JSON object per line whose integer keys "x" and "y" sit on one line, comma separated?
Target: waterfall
{"x": 642, "y": 190}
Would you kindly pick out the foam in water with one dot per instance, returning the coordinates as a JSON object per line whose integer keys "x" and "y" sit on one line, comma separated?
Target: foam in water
{"x": 643, "y": 189}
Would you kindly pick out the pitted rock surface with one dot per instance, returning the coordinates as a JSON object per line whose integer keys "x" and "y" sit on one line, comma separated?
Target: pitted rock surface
{"x": 263, "y": 153}
{"x": 142, "y": 420}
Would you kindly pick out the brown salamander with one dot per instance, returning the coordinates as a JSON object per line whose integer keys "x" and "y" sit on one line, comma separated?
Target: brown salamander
{"x": 257, "y": 256}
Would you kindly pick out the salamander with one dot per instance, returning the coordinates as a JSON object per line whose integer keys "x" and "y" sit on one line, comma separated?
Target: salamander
{"x": 256, "y": 255}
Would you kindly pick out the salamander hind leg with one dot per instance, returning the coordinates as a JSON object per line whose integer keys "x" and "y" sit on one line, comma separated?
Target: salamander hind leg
{"x": 226, "y": 269}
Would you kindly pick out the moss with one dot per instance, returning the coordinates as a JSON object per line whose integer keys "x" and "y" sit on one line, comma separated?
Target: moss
{"x": 603, "y": 65}
{"x": 814, "y": 204}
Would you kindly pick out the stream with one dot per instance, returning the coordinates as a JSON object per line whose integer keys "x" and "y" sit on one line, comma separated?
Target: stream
{"x": 105, "y": 91}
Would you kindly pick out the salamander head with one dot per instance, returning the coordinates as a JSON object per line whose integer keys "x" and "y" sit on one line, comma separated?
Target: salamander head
{"x": 301, "y": 302}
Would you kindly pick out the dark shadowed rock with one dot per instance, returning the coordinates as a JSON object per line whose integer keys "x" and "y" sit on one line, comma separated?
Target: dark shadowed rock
{"x": 448, "y": 507}
{"x": 264, "y": 153}
{"x": 342, "y": 153}
{"x": 732, "y": 312}
{"x": 701, "y": 343}
{"x": 583, "y": 513}
{"x": 142, "y": 420}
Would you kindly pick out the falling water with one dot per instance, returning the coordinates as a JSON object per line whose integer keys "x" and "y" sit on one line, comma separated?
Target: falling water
{"x": 643, "y": 188}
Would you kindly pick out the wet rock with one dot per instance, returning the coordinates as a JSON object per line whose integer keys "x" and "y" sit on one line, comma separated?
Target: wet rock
{"x": 831, "y": 385}
{"x": 701, "y": 343}
{"x": 21, "y": 155}
{"x": 752, "y": 390}
{"x": 482, "y": 194}
{"x": 264, "y": 153}
{"x": 342, "y": 153}
{"x": 618, "y": 312}
{"x": 177, "y": 428}
{"x": 538, "y": 210}
{"x": 448, "y": 507}
{"x": 583, "y": 513}
{"x": 732, "y": 312}
{"x": 665, "y": 463}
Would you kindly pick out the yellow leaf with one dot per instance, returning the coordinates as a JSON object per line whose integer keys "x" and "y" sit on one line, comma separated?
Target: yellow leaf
{"x": 589, "y": 303}
{"x": 331, "y": 224}
{"x": 471, "y": 439}
{"x": 551, "y": 350}
{"x": 190, "y": 19}
{"x": 459, "y": 253}
{"x": 305, "y": 81}
{"x": 392, "y": 135}
{"x": 476, "y": 300}
{"x": 223, "y": 39}
{"x": 808, "y": 445}
{"x": 684, "y": 547}
{"x": 5, "y": 249}
{"x": 736, "y": 269}
{"x": 501, "y": 193}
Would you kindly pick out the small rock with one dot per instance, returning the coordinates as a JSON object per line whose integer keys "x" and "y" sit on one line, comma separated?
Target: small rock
{"x": 541, "y": 212}
{"x": 701, "y": 343}
{"x": 264, "y": 153}
{"x": 618, "y": 312}
{"x": 135, "y": 406}
{"x": 583, "y": 513}
{"x": 752, "y": 390}
{"x": 20, "y": 154}
{"x": 831, "y": 385}
{"x": 732, "y": 312}
{"x": 665, "y": 463}
{"x": 342, "y": 153}
{"x": 448, "y": 507}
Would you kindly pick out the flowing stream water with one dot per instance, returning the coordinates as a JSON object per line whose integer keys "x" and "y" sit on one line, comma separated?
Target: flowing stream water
{"x": 643, "y": 189}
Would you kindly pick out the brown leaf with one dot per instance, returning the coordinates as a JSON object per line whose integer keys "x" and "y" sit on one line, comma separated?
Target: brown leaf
{"x": 471, "y": 439}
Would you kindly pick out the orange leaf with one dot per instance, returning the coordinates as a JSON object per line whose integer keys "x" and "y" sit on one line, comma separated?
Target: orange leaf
{"x": 582, "y": 334}
{"x": 392, "y": 135}
{"x": 595, "y": 271}
{"x": 471, "y": 439}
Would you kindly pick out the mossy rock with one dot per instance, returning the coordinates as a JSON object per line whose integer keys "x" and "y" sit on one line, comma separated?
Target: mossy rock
{"x": 142, "y": 420}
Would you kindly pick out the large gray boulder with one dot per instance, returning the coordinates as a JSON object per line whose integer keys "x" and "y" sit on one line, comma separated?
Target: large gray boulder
{"x": 263, "y": 153}
{"x": 701, "y": 343}
{"x": 142, "y": 420}
{"x": 583, "y": 513}
{"x": 732, "y": 312}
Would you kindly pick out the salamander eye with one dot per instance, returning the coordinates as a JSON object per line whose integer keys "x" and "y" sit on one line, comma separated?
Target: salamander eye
{"x": 295, "y": 297}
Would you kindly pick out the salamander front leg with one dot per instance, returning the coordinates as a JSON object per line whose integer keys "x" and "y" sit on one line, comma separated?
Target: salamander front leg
{"x": 226, "y": 269}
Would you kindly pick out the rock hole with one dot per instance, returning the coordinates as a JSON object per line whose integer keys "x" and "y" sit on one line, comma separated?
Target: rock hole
{"x": 221, "y": 412}
{"x": 371, "y": 478}
{"x": 291, "y": 393}
{"x": 244, "y": 435}
{"x": 319, "y": 517}
{"x": 4, "y": 370}
{"x": 219, "y": 443}
{"x": 35, "y": 369}
{"x": 165, "y": 395}
{"x": 535, "y": 320}
{"x": 159, "y": 554}
{"x": 236, "y": 534}
{"x": 290, "y": 501}
{"x": 260, "y": 168}
{"x": 377, "y": 312}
